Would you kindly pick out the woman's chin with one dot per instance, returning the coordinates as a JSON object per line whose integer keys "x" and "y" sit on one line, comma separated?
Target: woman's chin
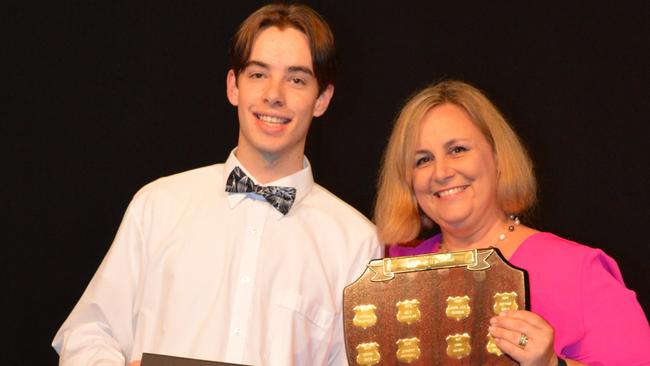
{"x": 452, "y": 222}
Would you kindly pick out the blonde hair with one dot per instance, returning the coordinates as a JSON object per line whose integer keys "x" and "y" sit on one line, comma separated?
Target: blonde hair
{"x": 397, "y": 214}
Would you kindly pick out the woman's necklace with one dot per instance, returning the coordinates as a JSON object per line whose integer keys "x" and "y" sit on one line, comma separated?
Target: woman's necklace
{"x": 511, "y": 227}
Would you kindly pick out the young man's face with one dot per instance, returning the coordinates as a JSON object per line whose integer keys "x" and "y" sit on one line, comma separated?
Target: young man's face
{"x": 276, "y": 95}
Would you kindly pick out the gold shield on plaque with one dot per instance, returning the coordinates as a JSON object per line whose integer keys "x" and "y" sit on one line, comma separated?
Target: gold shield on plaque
{"x": 364, "y": 316}
{"x": 408, "y": 349}
{"x": 458, "y": 345}
{"x": 408, "y": 311}
{"x": 458, "y": 307}
{"x": 504, "y": 301}
{"x": 368, "y": 354}
{"x": 491, "y": 347}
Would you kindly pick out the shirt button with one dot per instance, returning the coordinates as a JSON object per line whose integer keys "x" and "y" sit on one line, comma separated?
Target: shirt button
{"x": 246, "y": 279}
{"x": 254, "y": 231}
{"x": 237, "y": 331}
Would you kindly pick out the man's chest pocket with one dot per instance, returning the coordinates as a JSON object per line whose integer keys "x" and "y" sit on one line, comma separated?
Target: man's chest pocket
{"x": 303, "y": 309}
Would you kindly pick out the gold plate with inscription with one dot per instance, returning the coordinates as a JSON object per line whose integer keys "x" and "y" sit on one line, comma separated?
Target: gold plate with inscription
{"x": 458, "y": 345}
{"x": 504, "y": 301}
{"x": 364, "y": 316}
{"x": 458, "y": 307}
{"x": 408, "y": 349}
{"x": 491, "y": 347}
{"x": 368, "y": 354}
{"x": 408, "y": 311}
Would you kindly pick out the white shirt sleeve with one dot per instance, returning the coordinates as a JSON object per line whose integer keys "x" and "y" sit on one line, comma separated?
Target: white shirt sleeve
{"x": 369, "y": 250}
{"x": 99, "y": 331}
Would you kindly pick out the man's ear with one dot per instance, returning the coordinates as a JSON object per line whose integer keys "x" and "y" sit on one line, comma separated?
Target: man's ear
{"x": 323, "y": 100}
{"x": 231, "y": 88}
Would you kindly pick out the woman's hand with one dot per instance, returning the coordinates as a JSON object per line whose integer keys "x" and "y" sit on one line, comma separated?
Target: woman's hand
{"x": 524, "y": 336}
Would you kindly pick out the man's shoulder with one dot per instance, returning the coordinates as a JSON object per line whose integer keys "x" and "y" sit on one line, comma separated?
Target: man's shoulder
{"x": 323, "y": 203}
{"x": 181, "y": 186}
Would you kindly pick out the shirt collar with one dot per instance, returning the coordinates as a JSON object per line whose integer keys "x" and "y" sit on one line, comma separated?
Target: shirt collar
{"x": 302, "y": 181}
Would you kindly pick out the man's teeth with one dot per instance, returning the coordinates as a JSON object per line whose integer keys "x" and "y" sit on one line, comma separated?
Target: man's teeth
{"x": 450, "y": 191}
{"x": 272, "y": 119}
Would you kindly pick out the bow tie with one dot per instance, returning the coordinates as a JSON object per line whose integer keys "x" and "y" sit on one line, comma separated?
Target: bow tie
{"x": 279, "y": 197}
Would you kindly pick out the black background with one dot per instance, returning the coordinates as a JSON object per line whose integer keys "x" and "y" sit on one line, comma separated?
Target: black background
{"x": 105, "y": 96}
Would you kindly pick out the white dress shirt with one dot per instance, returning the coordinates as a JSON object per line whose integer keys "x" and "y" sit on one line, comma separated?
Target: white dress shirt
{"x": 197, "y": 272}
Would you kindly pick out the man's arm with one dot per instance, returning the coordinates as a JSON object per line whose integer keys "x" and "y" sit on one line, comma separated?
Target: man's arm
{"x": 369, "y": 250}
{"x": 99, "y": 330}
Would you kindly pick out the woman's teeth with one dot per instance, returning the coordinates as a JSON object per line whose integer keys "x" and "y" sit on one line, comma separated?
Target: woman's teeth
{"x": 450, "y": 191}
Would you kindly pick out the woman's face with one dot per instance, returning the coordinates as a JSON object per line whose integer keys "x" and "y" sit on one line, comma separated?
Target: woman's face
{"x": 454, "y": 171}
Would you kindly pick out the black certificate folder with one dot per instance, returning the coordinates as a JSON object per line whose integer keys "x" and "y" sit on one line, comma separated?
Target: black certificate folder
{"x": 152, "y": 359}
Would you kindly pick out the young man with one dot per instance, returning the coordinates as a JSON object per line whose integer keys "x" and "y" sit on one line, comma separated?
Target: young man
{"x": 241, "y": 262}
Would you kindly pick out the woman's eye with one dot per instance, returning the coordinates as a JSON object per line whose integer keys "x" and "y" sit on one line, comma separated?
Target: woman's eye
{"x": 422, "y": 160}
{"x": 458, "y": 149}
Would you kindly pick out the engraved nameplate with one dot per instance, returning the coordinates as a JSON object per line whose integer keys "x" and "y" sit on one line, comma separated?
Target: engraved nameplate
{"x": 408, "y": 311}
{"x": 368, "y": 354}
{"x": 458, "y": 307}
{"x": 504, "y": 301}
{"x": 408, "y": 349}
{"x": 364, "y": 316}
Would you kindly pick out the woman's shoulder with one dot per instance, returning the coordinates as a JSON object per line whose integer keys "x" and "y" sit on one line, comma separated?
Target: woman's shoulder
{"x": 547, "y": 249}
{"x": 580, "y": 291}
{"x": 545, "y": 243}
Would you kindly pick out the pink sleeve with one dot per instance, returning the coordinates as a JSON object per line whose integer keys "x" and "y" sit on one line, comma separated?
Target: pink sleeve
{"x": 615, "y": 326}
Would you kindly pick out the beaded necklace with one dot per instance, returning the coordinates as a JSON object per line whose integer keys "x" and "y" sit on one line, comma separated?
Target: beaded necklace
{"x": 511, "y": 227}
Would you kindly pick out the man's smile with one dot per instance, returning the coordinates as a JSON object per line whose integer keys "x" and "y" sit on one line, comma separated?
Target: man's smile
{"x": 272, "y": 119}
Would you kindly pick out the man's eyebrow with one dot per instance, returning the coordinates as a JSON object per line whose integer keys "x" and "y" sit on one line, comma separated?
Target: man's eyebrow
{"x": 256, "y": 63}
{"x": 306, "y": 70}
{"x": 264, "y": 65}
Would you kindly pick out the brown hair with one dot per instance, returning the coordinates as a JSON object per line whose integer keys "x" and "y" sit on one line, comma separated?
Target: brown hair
{"x": 300, "y": 17}
{"x": 397, "y": 214}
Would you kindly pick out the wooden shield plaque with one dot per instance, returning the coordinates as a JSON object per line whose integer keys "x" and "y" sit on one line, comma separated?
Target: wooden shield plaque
{"x": 431, "y": 309}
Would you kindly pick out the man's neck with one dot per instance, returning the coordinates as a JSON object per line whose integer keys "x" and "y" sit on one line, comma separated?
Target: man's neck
{"x": 267, "y": 168}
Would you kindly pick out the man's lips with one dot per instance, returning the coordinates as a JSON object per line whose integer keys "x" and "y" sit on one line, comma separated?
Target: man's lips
{"x": 450, "y": 191}
{"x": 276, "y": 120}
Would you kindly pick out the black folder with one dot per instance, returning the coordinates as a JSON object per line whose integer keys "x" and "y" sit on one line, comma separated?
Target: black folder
{"x": 153, "y": 359}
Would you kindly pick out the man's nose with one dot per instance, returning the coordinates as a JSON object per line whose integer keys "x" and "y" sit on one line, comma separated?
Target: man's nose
{"x": 274, "y": 93}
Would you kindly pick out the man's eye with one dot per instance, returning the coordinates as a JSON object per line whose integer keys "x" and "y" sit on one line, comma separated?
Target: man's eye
{"x": 256, "y": 75}
{"x": 298, "y": 81}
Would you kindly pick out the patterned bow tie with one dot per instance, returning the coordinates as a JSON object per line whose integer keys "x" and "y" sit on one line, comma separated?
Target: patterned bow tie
{"x": 279, "y": 197}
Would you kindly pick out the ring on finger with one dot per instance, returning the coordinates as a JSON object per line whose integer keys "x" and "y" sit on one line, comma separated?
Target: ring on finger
{"x": 523, "y": 340}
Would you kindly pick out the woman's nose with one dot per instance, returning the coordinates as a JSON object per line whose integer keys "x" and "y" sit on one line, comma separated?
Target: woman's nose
{"x": 443, "y": 170}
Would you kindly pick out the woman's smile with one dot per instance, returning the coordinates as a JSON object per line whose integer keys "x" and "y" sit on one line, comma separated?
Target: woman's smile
{"x": 450, "y": 192}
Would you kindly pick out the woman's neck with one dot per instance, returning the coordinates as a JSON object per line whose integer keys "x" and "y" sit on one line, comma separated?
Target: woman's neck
{"x": 486, "y": 235}
{"x": 507, "y": 244}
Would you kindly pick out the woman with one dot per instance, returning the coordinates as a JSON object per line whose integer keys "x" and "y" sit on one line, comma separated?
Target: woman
{"x": 454, "y": 161}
